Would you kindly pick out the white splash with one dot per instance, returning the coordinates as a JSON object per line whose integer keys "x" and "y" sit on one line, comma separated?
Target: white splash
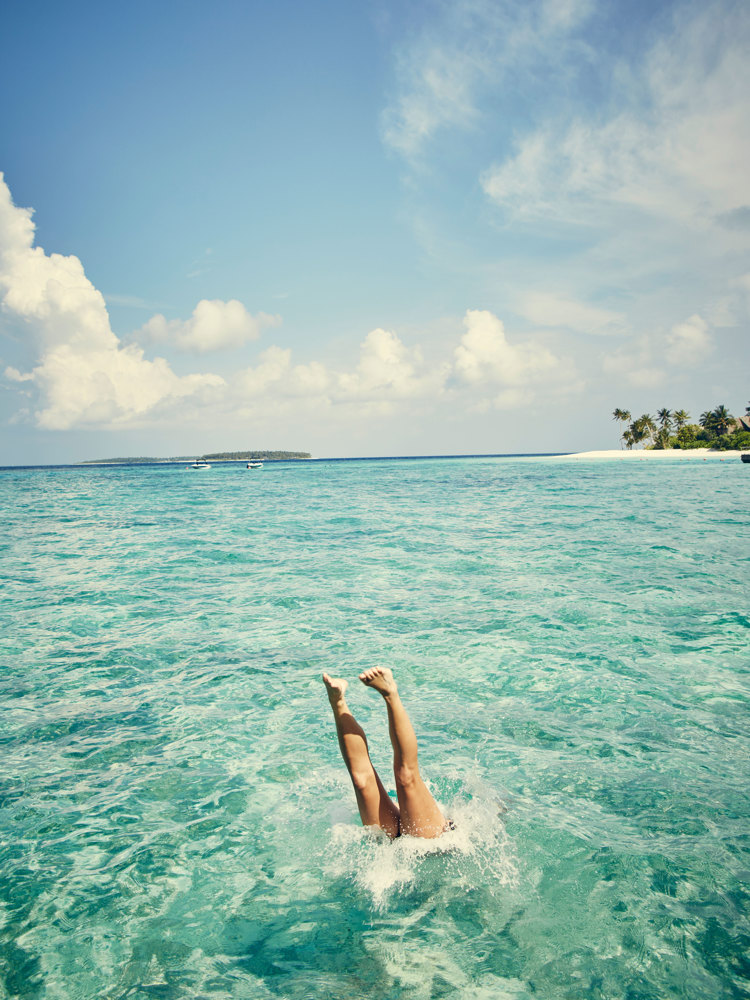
{"x": 477, "y": 851}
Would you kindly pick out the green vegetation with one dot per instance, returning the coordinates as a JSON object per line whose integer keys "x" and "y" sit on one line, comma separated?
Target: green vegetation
{"x": 219, "y": 456}
{"x": 716, "y": 428}
{"x": 268, "y": 456}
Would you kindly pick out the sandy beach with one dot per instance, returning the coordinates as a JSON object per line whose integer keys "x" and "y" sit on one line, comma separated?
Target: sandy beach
{"x": 689, "y": 455}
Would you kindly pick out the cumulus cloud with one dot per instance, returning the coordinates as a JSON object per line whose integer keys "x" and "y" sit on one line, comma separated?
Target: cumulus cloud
{"x": 485, "y": 355}
{"x": 387, "y": 373}
{"x": 215, "y": 325}
{"x": 83, "y": 375}
{"x": 111, "y": 387}
{"x": 50, "y": 293}
{"x": 276, "y": 375}
{"x": 387, "y": 369}
{"x": 486, "y": 370}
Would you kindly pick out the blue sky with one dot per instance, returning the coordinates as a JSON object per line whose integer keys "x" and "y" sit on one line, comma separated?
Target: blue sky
{"x": 362, "y": 229}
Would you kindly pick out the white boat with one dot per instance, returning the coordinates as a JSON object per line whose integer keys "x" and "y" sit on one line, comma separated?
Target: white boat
{"x": 255, "y": 464}
{"x": 198, "y": 464}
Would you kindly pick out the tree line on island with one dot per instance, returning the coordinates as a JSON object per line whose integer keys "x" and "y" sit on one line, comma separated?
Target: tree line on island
{"x": 269, "y": 456}
{"x": 716, "y": 428}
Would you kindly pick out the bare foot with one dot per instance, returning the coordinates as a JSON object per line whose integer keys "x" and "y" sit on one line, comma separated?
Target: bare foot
{"x": 336, "y": 688}
{"x": 381, "y": 679}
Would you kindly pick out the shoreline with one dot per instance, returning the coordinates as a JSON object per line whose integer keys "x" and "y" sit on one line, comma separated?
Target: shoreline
{"x": 686, "y": 455}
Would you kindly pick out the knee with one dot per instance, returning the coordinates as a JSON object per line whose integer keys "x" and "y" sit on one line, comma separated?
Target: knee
{"x": 405, "y": 775}
{"x": 361, "y": 779}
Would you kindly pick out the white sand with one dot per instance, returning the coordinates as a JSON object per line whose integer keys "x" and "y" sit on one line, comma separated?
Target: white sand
{"x": 689, "y": 455}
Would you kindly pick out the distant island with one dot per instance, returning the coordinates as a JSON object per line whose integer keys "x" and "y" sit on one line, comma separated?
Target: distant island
{"x": 219, "y": 456}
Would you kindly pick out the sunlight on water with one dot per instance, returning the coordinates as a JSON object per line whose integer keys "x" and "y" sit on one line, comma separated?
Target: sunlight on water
{"x": 571, "y": 642}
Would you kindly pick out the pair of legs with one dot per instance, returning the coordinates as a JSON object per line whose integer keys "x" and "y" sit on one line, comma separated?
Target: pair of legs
{"x": 417, "y": 814}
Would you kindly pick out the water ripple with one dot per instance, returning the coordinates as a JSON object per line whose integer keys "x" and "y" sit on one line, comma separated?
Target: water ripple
{"x": 572, "y": 644}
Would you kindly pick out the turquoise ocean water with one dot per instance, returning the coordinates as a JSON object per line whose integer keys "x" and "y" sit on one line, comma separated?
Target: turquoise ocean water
{"x": 572, "y": 642}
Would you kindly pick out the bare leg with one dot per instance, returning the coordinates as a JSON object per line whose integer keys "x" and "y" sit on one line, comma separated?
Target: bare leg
{"x": 420, "y": 813}
{"x": 376, "y": 808}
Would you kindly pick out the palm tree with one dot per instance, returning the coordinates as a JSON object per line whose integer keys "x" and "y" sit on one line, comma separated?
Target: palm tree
{"x": 661, "y": 439}
{"x": 722, "y": 419}
{"x": 621, "y": 415}
{"x": 708, "y": 423}
{"x": 664, "y": 416}
{"x": 648, "y": 426}
{"x": 628, "y": 438}
{"x": 680, "y": 417}
{"x": 643, "y": 428}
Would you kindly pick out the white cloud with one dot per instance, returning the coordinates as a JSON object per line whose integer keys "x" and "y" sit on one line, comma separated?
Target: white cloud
{"x": 546, "y": 309}
{"x": 83, "y": 374}
{"x": 111, "y": 387}
{"x": 387, "y": 373}
{"x": 688, "y": 343}
{"x": 565, "y": 14}
{"x": 486, "y": 356}
{"x": 637, "y": 199}
{"x": 440, "y": 94}
{"x": 468, "y": 47}
{"x": 620, "y": 178}
{"x": 215, "y": 325}
{"x": 389, "y": 370}
{"x": 51, "y": 293}
{"x": 636, "y": 364}
{"x": 648, "y": 360}
{"x": 676, "y": 148}
{"x": 14, "y": 375}
{"x": 275, "y": 375}
{"x": 486, "y": 370}
{"x": 274, "y": 365}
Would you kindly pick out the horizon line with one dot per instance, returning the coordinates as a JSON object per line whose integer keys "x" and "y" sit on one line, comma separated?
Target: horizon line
{"x": 93, "y": 463}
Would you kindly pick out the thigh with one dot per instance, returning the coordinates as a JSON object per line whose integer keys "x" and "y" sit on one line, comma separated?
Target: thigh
{"x": 420, "y": 813}
{"x": 377, "y": 808}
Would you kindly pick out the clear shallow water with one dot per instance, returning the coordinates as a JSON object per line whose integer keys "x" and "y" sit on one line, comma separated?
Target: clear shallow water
{"x": 572, "y": 641}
